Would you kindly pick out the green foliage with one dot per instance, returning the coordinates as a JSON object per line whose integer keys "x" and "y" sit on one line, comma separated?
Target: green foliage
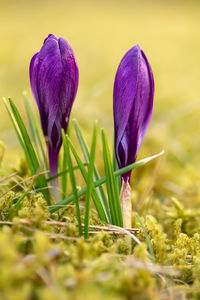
{"x": 35, "y": 132}
{"x": 84, "y": 147}
{"x": 101, "y": 208}
{"x": 72, "y": 178}
{"x": 26, "y": 144}
{"x": 113, "y": 194}
{"x": 90, "y": 186}
{"x": 109, "y": 211}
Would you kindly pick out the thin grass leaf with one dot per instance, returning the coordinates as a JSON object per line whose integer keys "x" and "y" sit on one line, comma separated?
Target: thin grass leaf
{"x": 90, "y": 182}
{"x": 17, "y": 131}
{"x": 24, "y": 137}
{"x": 63, "y": 167}
{"x": 26, "y": 144}
{"x": 64, "y": 176}
{"x": 97, "y": 201}
{"x": 72, "y": 178}
{"x": 35, "y": 132}
{"x": 113, "y": 195}
{"x": 103, "y": 180}
{"x": 62, "y": 172}
{"x": 85, "y": 151}
{"x": 147, "y": 238}
{"x": 116, "y": 167}
{"x": 67, "y": 201}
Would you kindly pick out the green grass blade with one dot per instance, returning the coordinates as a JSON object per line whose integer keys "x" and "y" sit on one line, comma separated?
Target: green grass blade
{"x": 101, "y": 209}
{"x": 116, "y": 167}
{"x": 63, "y": 172}
{"x": 72, "y": 178}
{"x": 81, "y": 140}
{"x": 103, "y": 180}
{"x": 85, "y": 151}
{"x": 113, "y": 195}
{"x": 64, "y": 176}
{"x": 17, "y": 130}
{"x": 29, "y": 151}
{"x": 90, "y": 182}
{"x": 34, "y": 166}
{"x": 147, "y": 238}
{"x": 35, "y": 132}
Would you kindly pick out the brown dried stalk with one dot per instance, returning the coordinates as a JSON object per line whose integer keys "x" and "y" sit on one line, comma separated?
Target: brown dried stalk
{"x": 110, "y": 229}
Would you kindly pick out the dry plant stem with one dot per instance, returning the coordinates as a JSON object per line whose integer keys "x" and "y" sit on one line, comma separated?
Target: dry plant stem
{"x": 7, "y": 177}
{"x": 125, "y": 200}
{"x": 110, "y": 230}
{"x": 20, "y": 182}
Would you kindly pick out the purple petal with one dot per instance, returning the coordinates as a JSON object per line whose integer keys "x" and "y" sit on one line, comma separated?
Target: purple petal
{"x": 69, "y": 84}
{"x": 54, "y": 82}
{"x": 133, "y": 104}
{"x": 125, "y": 90}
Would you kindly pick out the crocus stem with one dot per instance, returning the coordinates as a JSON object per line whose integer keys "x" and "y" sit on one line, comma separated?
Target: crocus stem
{"x": 53, "y": 166}
{"x": 125, "y": 199}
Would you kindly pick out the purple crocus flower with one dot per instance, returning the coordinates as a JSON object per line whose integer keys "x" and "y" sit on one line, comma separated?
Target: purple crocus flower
{"x": 132, "y": 106}
{"x": 54, "y": 82}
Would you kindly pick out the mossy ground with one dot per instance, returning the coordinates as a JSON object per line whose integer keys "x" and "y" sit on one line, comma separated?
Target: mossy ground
{"x": 43, "y": 257}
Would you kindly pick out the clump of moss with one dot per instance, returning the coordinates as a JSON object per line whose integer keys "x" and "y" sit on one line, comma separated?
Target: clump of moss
{"x": 157, "y": 237}
{"x": 42, "y": 260}
{"x": 140, "y": 252}
{"x": 6, "y": 203}
{"x": 34, "y": 207}
{"x": 188, "y": 217}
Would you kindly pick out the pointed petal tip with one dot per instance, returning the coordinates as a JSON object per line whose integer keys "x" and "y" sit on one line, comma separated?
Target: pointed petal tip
{"x": 50, "y": 36}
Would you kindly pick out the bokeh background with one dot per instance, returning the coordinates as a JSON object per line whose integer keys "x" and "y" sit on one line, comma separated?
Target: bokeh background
{"x": 100, "y": 33}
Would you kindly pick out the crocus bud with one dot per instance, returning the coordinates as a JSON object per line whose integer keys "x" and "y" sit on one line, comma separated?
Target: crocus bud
{"x": 54, "y": 82}
{"x": 132, "y": 106}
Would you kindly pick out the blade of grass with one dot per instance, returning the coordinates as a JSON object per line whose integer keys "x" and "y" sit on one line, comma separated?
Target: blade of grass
{"x": 147, "y": 238}
{"x": 97, "y": 201}
{"x": 64, "y": 176}
{"x": 65, "y": 171}
{"x": 17, "y": 131}
{"x": 85, "y": 151}
{"x": 116, "y": 167}
{"x": 90, "y": 182}
{"x": 35, "y": 132}
{"x": 113, "y": 195}
{"x": 63, "y": 168}
{"x": 72, "y": 178}
{"x": 26, "y": 144}
{"x": 103, "y": 180}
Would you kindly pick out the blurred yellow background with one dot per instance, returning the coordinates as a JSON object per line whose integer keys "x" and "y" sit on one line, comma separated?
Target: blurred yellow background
{"x": 100, "y": 33}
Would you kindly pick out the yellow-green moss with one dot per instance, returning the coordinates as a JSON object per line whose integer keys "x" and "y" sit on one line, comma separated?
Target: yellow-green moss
{"x": 36, "y": 262}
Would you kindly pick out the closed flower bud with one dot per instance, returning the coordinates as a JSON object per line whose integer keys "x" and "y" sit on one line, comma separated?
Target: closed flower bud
{"x": 132, "y": 106}
{"x": 54, "y": 82}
